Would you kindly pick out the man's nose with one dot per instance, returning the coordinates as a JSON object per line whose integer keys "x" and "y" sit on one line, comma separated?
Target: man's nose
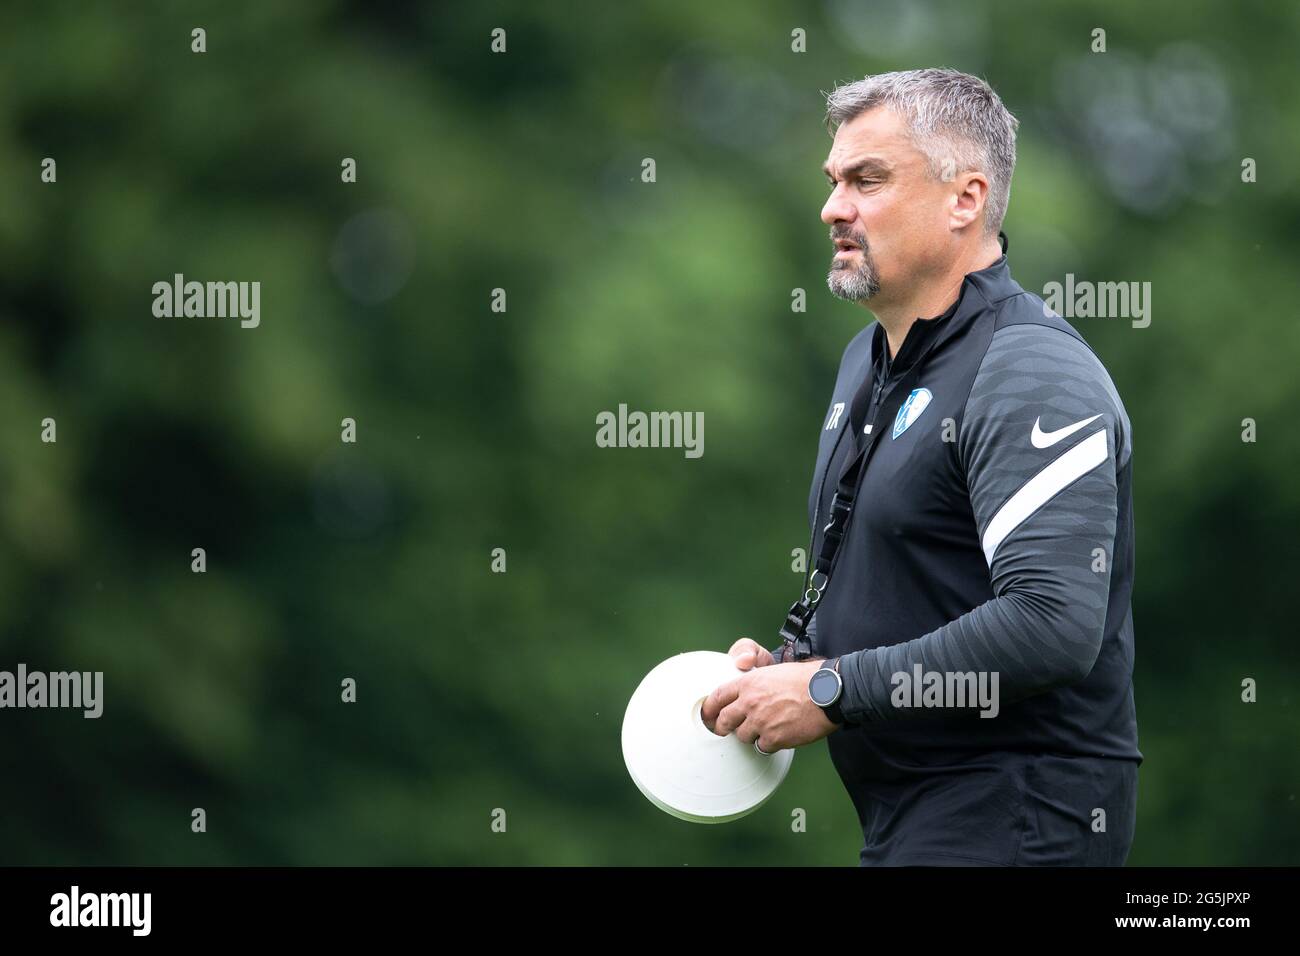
{"x": 838, "y": 209}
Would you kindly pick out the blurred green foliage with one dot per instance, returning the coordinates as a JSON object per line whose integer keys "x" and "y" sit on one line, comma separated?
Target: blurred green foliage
{"x": 476, "y": 429}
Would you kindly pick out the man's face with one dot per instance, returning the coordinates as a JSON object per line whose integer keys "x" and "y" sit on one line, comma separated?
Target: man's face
{"x": 888, "y": 215}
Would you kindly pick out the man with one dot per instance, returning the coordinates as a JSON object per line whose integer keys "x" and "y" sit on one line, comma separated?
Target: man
{"x": 988, "y": 554}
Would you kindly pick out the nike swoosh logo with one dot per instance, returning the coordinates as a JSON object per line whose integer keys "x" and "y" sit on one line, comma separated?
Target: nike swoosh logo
{"x": 1041, "y": 439}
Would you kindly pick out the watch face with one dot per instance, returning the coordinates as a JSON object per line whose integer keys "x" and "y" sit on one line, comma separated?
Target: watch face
{"x": 824, "y": 687}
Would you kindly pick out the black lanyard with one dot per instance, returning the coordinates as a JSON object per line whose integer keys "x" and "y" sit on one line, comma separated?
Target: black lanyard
{"x": 797, "y": 645}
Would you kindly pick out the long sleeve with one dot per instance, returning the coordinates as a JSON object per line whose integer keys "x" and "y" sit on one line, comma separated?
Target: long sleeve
{"x": 1042, "y": 438}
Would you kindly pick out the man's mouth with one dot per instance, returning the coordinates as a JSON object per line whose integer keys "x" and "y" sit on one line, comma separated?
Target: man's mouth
{"x": 845, "y": 246}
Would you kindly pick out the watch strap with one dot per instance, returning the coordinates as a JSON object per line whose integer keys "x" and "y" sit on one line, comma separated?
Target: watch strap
{"x": 834, "y": 713}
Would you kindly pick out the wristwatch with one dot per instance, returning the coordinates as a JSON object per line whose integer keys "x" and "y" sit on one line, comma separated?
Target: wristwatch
{"x": 825, "y": 689}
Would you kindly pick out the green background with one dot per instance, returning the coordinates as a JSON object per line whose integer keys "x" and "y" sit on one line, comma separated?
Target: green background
{"x": 476, "y": 429}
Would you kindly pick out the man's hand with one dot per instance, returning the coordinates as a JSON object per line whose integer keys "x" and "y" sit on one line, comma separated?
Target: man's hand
{"x": 749, "y": 654}
{"x": 769, "y": 705}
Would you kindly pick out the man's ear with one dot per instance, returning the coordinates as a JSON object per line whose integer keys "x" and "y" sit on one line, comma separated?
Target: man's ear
{"x": 970, "y": 193}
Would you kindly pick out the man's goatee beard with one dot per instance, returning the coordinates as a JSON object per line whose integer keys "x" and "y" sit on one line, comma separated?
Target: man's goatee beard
{"x": 853, "y": 285}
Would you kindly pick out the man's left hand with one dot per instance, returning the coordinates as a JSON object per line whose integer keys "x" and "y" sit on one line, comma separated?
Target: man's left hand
{"x": 769, "y": 705}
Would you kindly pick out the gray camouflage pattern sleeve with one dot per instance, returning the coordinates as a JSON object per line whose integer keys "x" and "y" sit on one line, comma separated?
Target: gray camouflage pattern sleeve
{"x": 1043, "y": 491}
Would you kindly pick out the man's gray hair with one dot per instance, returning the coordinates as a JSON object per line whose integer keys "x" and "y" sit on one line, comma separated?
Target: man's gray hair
{"x": 955, "y": 119}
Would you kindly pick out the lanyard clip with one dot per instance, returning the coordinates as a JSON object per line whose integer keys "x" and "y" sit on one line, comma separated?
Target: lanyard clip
{"x": 833, "y": 533}
{"x": 840, "y": 508}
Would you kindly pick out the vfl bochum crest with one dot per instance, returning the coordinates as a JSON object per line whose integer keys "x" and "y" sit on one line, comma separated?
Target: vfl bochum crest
{"x": 912, "y": 408}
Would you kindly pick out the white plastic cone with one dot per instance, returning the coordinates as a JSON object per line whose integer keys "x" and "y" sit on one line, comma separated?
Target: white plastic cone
{"x": 681, "y": 766}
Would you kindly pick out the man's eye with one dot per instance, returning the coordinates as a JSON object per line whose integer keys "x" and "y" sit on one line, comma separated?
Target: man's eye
{"x": 867, "y": 182}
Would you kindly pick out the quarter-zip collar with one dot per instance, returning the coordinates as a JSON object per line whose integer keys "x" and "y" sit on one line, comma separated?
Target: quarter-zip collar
{"x": 978, "y": 291}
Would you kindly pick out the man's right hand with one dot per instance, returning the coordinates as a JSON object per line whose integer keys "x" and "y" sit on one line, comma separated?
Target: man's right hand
{"x": 748, "y": 654}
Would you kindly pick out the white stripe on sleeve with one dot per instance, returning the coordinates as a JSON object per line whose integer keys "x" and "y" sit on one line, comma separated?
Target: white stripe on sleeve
{"x": 1042, "y": 488}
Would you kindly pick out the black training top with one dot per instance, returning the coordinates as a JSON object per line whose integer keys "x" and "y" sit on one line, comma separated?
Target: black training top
{"x": 992, "y": 540}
